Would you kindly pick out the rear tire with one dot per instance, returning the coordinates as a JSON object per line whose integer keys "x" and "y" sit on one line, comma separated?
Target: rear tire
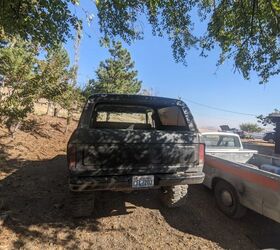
{"x": 174, "y": 196}
{"x": 81, "y": 204}
{"x": 227, "y": 200}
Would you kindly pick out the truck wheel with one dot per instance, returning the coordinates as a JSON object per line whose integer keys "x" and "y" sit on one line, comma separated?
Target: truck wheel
{"x": 227, "y": 200}
{"x": 174, "y": 196}
{"x": 81, "y": 204}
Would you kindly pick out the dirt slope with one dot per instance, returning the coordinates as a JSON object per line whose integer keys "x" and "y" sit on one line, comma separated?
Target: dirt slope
{"x": 34, "y": 202}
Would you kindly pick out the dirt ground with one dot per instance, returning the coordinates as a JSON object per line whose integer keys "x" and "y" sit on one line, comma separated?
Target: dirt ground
{"x": 34, "y": 202}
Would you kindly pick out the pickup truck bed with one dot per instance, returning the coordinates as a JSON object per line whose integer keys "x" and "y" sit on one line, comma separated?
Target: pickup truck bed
{"x": 239, "y": 181}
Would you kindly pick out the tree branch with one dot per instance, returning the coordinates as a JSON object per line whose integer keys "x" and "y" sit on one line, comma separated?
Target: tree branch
{"x": 252, "y": 18}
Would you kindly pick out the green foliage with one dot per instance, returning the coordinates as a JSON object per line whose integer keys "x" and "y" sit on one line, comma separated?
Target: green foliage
{"x": 29, "y": 78}
{"x": 55, "y": 73}
{"x": 71, "y": 99}
{"x": 171, "y": 18}
{"x": 45, "y": 22}
{"x": 246, "y": 31}
{"x": 116, "y": 74}
{"x": 266, "y": 120}
{"x": 250, "y": 127}
{"x": 19, "y": 69}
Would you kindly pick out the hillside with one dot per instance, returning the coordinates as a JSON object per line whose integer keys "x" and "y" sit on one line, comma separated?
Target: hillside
{"x": 34, "y": 201}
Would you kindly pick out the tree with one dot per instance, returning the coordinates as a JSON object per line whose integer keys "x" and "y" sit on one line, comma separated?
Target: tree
{"x": 44, "y": 22}
{"x": 55, "y": 74}
{"x": 58, "y": 82}
{"x": 250, "y": 127}
{"x": 246, "y": 31}
{"x": 265, "y": 119}
{"x": 116, "y": 74}
{"x": 29, "y": 78}
{"x": 19, "y": 70}
{"x": 147, "y": 92}
{"x": 71, "y": 100}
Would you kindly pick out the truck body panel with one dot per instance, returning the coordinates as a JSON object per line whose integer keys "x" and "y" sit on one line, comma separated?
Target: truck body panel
{"x": 257, "y": 189}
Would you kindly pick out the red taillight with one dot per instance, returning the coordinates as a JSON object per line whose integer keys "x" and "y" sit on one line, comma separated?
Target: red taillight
{"x": 201, "y": 154}
{"x": 72, "y": 152}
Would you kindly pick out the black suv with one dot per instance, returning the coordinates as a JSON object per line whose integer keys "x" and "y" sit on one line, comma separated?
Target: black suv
{"x": 130, "y": 142}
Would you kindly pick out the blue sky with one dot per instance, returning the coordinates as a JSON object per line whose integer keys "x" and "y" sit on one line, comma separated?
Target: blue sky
{"x": 201, "y": 81}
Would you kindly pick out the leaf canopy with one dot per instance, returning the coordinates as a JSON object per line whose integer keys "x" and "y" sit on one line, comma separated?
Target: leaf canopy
{"x": 247, "y": 31}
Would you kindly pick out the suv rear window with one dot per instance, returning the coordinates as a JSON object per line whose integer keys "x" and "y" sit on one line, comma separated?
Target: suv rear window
{"x": 119, "y": 116}
{"x": 122, "y": 117}
{"x": 171, "y": 116}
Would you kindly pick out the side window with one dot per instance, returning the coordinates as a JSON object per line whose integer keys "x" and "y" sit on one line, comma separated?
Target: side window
{"x": 229, "y": 141}
{"x": 210, "y": 140}
{"x": 226, "y": 141}
{"x": 172, "y": 116}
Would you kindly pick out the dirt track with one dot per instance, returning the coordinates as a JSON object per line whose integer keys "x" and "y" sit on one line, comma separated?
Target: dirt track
{"x": 34, "y": 203}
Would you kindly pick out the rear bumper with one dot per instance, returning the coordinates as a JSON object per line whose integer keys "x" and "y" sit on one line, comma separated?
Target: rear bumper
{"x": 124, "y": 182}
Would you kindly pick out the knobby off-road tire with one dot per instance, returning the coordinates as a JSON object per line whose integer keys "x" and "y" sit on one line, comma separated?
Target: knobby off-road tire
{"x": 81, "y": 204}
{"x": 227, "y": 200}
{"x": 174, "y": 196}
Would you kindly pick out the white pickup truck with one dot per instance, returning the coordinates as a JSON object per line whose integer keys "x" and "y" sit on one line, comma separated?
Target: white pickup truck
{"x": 241, "y": 178}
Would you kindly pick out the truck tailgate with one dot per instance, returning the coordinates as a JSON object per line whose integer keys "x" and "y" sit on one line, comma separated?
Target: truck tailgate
{"x": 241, "y": 156}
{"x": 133, "y": 152}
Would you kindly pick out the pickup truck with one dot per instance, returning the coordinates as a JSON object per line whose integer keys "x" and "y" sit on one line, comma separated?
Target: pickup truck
{"x": 241, "y": 178}
{"x": 132, "y": 142}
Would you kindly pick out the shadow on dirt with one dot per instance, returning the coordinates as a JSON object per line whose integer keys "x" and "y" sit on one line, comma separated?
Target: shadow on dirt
{"x": 34, "y": 127}
{"x": 58, "y": 126}
{"x": 36, "y": 198}
{"x": 6, "y": 165}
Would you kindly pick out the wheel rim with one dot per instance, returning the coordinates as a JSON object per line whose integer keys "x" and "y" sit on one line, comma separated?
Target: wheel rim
{"x": 227, "y": 198}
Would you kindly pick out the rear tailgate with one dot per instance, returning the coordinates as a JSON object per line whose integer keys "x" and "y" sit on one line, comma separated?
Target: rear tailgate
{"x": 242, "y": 155}
{"x": 122, "y": 152}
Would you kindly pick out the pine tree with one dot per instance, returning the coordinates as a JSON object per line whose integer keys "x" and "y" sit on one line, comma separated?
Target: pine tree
{"x": 29, "y": 78}
{"x": 19, "y": 70}
{"x": 55, "y": 74}
{"x": 116, "y": 74}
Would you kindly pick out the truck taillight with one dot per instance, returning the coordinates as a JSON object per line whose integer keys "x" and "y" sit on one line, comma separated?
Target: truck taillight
{"x": 201, "y": 154}
{"x": 72, "y": 154}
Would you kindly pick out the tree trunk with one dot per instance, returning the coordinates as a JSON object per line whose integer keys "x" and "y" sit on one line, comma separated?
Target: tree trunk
{"x": 13, "y": 129}
{"x": 49, "y": 106}
{"x": 68, "y": 120}
{"x": 55, "y": 111}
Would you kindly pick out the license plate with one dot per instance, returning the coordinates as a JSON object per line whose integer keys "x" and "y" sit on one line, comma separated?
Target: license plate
{"x": 143, "y": 181}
